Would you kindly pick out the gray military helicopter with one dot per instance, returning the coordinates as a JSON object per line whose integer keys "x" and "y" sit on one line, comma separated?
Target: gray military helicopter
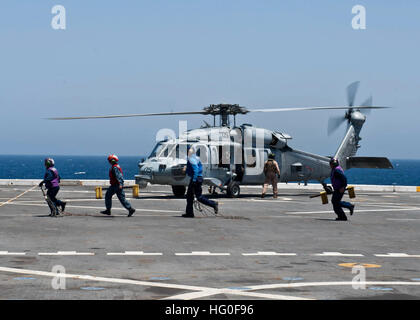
{"x": 235, "y": 155}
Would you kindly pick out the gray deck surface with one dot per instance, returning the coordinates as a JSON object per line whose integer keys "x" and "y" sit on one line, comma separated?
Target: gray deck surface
{"x": 289, "y": 248}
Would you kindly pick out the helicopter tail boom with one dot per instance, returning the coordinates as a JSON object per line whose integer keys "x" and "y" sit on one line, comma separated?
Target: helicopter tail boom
{"x": 350, "y": 144}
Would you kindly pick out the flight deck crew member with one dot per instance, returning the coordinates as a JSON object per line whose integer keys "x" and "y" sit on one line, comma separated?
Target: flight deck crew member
{"x": 52, "y": 183}
{"x": 117, "y": 183}
{"x": 339, "y": 183}
{"x": 271, "y": 171}
{"x": 195, "y": 172}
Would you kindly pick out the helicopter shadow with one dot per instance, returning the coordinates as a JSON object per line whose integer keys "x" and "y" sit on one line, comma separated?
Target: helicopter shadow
{"x": 46, "y": 216}
{"x": 224, "y": 196}
{"x": 330, "y": 220}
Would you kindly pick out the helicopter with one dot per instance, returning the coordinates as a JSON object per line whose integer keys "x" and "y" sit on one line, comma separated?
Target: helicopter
{"x": 235, "y": 155}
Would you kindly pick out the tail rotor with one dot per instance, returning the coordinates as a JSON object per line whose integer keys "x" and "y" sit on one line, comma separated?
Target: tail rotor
{"x": 335, "y": 122}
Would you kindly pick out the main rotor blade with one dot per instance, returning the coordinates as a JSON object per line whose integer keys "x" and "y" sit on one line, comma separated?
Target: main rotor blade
{"x": 334, "y": 123}
{"x": 351, "y": 92}
{"x": 128, "y": 115}
{"x": 315, "y": 108}
{"x": 206, "y": 113}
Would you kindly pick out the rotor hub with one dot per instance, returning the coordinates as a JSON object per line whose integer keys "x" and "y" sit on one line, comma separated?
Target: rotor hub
{"x": 224, "y": 110}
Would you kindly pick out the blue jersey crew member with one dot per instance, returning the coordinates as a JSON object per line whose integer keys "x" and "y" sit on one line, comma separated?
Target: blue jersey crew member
{"x": 116, "y": 181}
{"x": 195, "y": 172}
{"x": 339, "y": 183}
{"x": 52, "y": 183}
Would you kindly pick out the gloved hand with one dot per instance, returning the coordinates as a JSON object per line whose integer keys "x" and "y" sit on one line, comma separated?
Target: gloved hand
{"x": 40, "y": 184}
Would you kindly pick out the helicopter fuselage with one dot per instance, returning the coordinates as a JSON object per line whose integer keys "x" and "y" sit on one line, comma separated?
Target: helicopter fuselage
{"x": 228, "y": 155}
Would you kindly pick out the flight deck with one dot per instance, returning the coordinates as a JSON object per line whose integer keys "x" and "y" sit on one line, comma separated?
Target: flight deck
{"x": 285, "y": 248}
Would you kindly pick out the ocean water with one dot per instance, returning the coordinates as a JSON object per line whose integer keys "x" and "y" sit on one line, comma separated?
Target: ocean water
{"x": 405, "y": 172}
{"x": 69, "y": 167}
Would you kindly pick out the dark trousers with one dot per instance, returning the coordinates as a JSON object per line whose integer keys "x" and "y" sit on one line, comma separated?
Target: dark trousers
{"x": 52, "y": 193}
{"x": 338, "y": 204}
{"x": 120, "y": 194}
{"x": 195, "y": 189}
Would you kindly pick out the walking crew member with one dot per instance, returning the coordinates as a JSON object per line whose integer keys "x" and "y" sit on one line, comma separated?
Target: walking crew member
{"x": 52, "y": 183}
{"x": 339, "y": 183}
{"x": 271, "y": 171}
{"x": 117, "y": 182}
{"x": 195, "y": 172}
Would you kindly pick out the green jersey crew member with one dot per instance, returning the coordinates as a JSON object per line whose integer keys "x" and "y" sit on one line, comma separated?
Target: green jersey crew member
{"x": 117, "y": 183}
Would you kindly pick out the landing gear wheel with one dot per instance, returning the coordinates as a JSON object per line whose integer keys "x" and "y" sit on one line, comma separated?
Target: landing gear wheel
{"x": 179, "y": 191}
{"x": 233, "y": 190}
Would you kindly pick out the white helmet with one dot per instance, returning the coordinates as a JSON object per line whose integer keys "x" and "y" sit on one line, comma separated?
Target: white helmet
{"x": 49, "y": 162}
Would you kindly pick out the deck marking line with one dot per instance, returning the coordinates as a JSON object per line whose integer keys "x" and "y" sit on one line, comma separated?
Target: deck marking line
{"x": 96, "y": 208}
{"x": 332, "y": 283}
{"x": 7, "y": 253}
{"x": 398, "y": 255}
{"x": 202, "y": 253}
{"x": 66, "y": 253}
{"x": 268, "y": 253}
{"x": 18, "y": 196}
{"x": 338, "y": 254}
{"x": 133, "y": 253}
{"x": 204, "y": 290}
{"x": 357, "y": 211}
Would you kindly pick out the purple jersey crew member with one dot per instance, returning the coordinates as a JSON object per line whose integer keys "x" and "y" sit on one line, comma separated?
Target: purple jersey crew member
{"x": 339, "y": 183}
{"x": 52, "y": 183}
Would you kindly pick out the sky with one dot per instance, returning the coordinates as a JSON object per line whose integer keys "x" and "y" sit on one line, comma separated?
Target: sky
{"x": 118, "y": 57}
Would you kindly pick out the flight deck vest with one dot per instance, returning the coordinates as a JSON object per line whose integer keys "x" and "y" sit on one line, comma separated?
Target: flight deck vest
{"x": 337, "y": 184}
{"x": 112, "y": 179}
{"x": 54, "y": 182}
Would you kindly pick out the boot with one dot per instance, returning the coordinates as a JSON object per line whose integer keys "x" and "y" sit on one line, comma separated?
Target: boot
{"x": 131, "y": 211}
{"x": 188, "y": 215}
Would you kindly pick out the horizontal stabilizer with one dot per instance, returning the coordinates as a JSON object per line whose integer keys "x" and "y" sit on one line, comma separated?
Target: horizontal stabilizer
{"x": 369, "y": 162}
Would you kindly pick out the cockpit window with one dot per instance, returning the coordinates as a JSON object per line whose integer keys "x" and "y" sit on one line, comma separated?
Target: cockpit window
{"x": 157, "y": 150}
{"x": 181, "y": 151}
{"x": 202, "y": 153}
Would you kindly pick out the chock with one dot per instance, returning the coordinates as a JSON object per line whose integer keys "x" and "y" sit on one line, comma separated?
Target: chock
{"x": 135, "y": 191}
{"x": 98, "y": 191}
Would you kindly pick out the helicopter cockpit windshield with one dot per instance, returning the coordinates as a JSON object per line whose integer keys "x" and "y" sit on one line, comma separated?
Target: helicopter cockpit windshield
{"x": 158, "y": 150}
{"x": 177, "y": 151}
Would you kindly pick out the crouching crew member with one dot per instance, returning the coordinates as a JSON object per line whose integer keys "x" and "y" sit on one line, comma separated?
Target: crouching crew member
{"x": 339, "y": 183}
{"x": 117, "y": 183}
{"x": 195, "y": 172}
{"x": 52, "y": 183}
{"x": 271, "y": 171}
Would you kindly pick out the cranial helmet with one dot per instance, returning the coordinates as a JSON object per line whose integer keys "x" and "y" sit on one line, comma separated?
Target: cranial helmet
{"x": 334, "y": 162}
{"x": 112, "y": 158}
{"x": 49, "y": 162}
{"x": 271, "y": 156}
